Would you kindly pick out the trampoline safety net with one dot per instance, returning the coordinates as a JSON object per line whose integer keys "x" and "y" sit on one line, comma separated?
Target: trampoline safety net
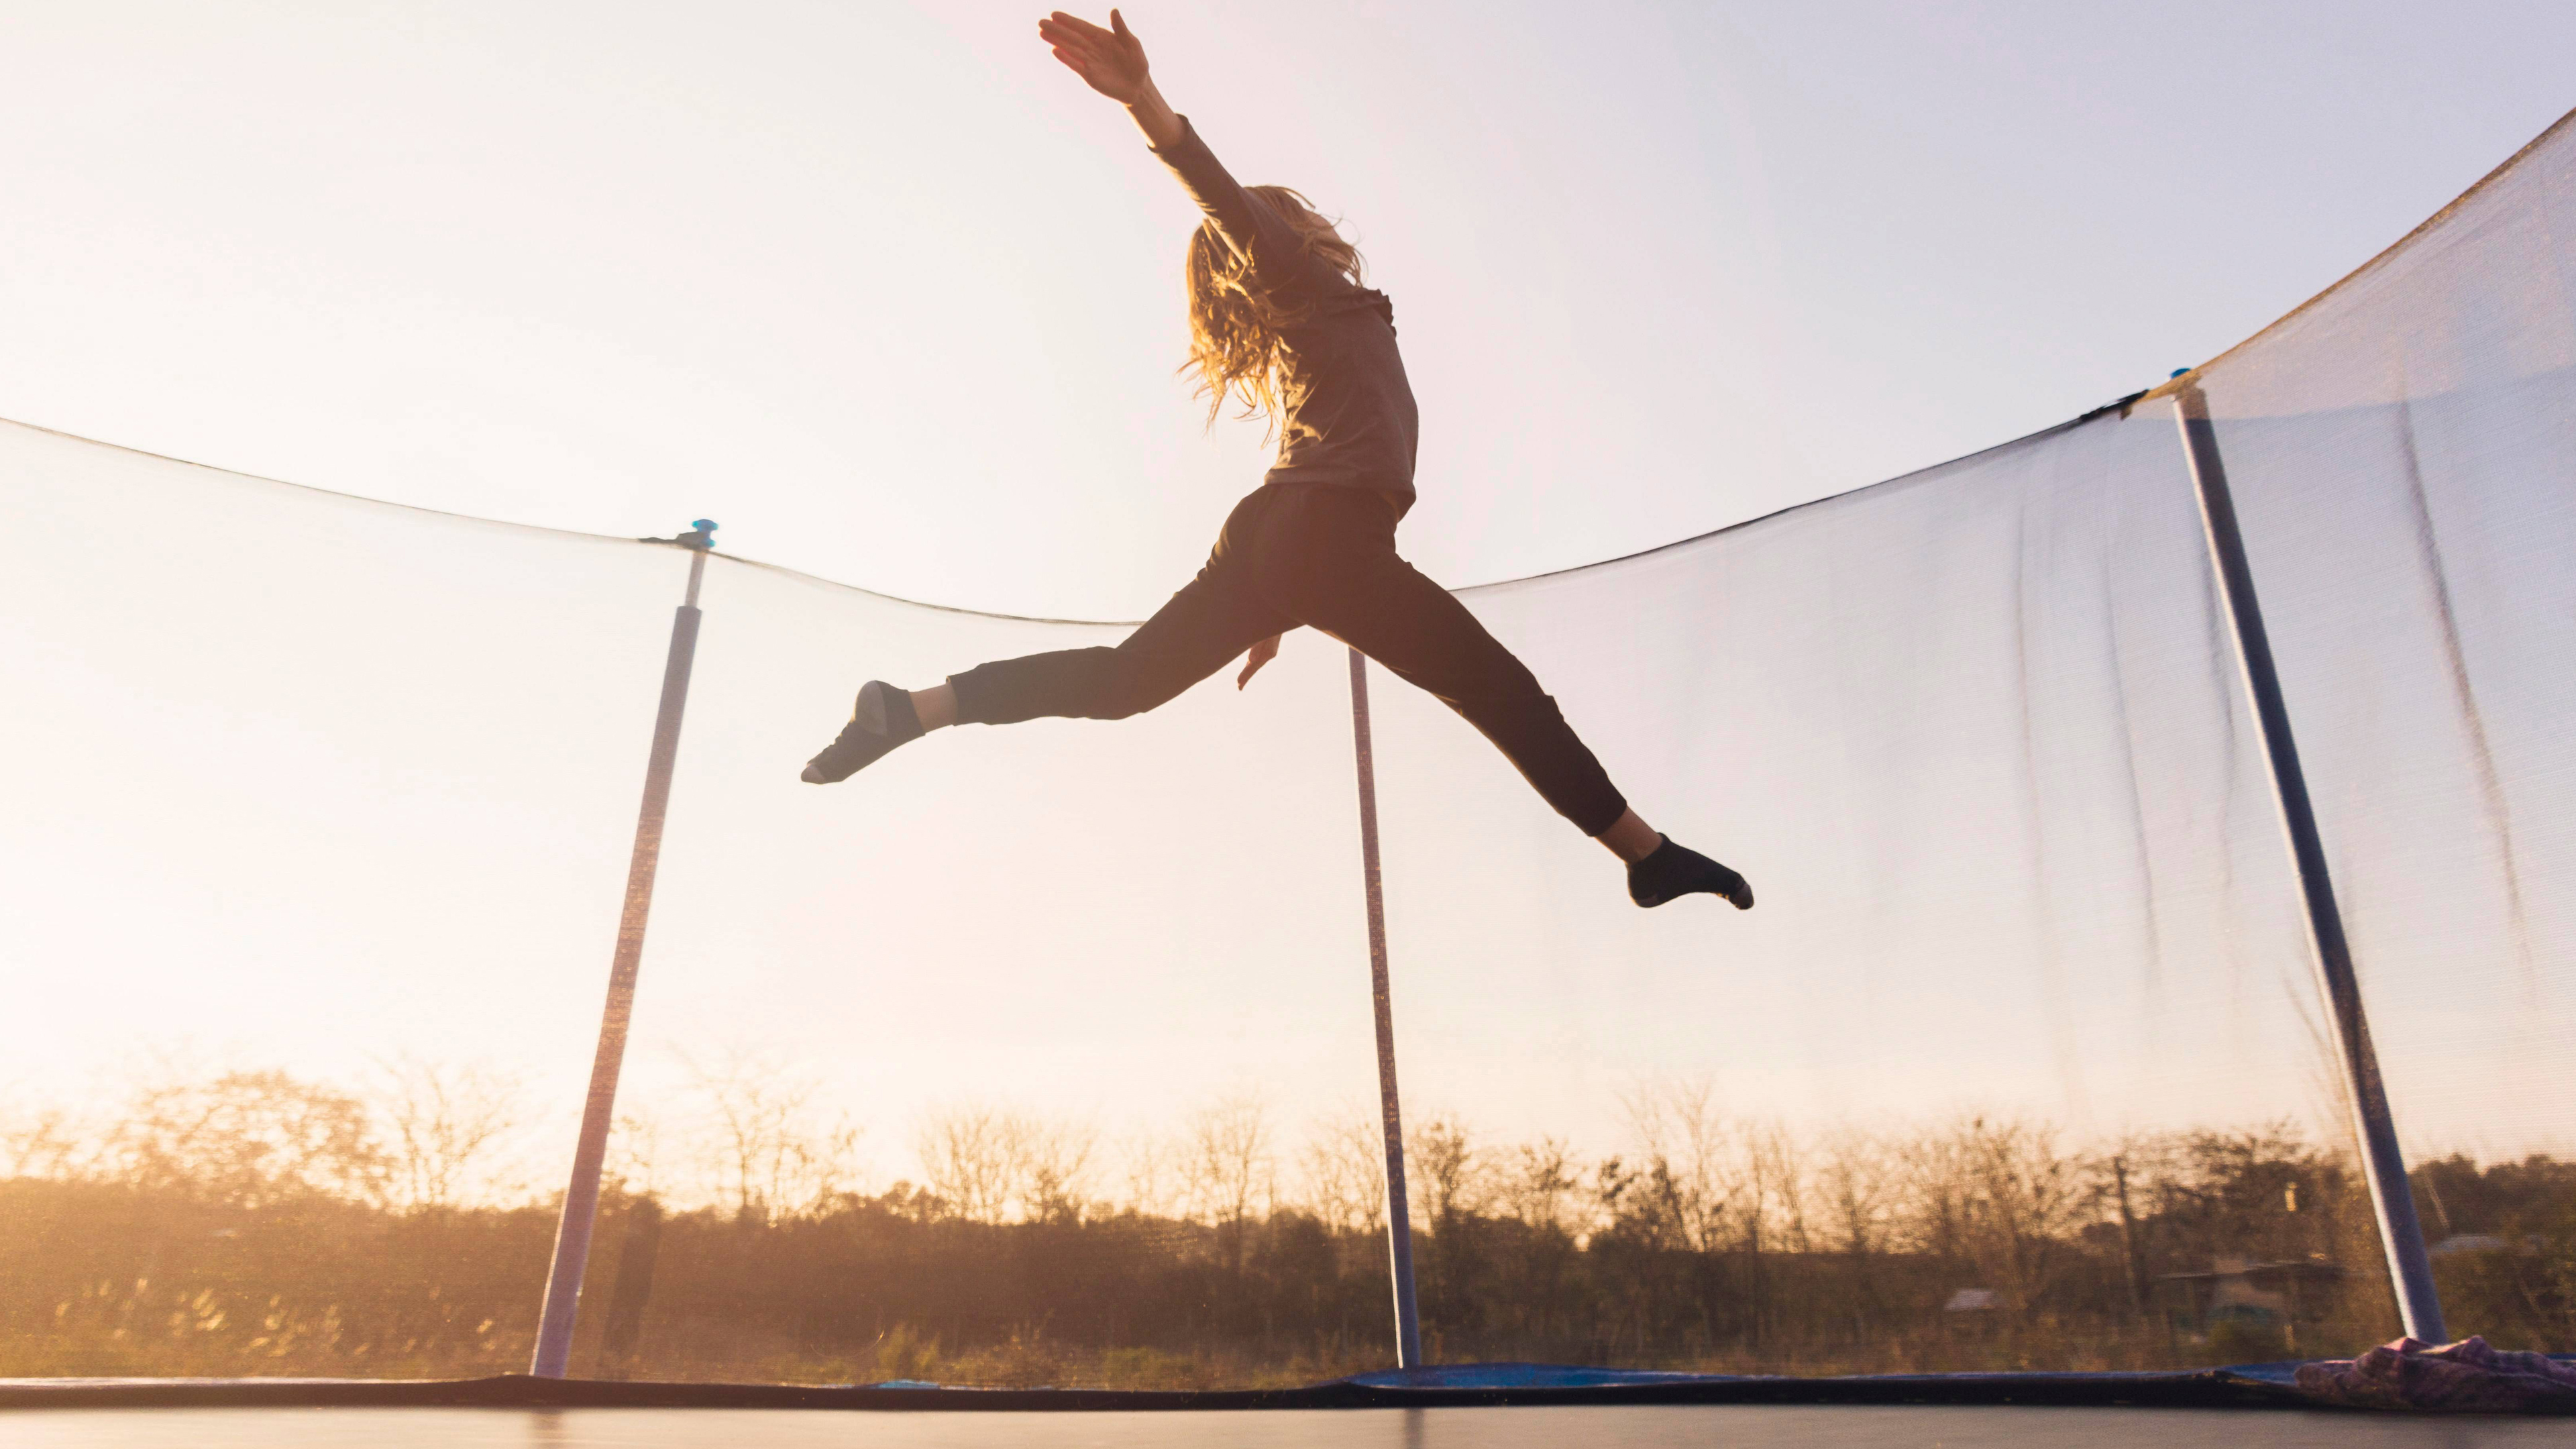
{"x": 1043, "y": 1055}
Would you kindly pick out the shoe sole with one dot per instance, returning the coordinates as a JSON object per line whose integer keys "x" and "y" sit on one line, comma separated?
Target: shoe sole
{"x": 1743, "y": 888}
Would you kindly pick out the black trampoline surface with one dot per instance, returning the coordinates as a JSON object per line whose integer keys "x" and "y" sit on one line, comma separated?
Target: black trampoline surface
{"x": 1637, "y": 1427}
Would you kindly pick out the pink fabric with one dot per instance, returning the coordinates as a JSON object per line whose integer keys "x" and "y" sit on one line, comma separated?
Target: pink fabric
{"x": 2463, "y": 1377}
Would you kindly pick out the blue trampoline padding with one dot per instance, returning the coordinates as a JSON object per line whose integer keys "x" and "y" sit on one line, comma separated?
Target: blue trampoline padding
{"x": 1525, "y": 1376}
{"x": 1575, "y": 1376}
{"x": 1491, "y": 1376}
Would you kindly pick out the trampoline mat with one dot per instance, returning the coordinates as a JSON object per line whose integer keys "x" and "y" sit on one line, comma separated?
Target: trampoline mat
{"x": 1635, "y": 1427}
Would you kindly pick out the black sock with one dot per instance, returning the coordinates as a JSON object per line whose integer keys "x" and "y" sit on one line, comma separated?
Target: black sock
{"x": 892, "y": 711}
{"x": 882, "y": 719}
{"x": 1674, "y": 870}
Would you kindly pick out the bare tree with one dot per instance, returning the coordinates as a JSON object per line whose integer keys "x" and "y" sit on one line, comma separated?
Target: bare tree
{"x": 1343, "y": 1164}
{"x": 1936, "y": 1194}
{"x": 1228, "y": 1166}
{"x": 1852, "y": 1178}
{"x": 1539, "y": 1186}
{"x": 1150, "y": 1163}
{"x": 440, "y": 1121}
{"x": 1999, "y": 1193}
{"x": 636, "y": 1152}
{"x": 1774, "y": 1176}
{"x": 2117, "y": 1172}
{"x": 770, "y": 1153}
{"x": 970, "y": 1156}
{"x": 989, "y": 1164}
{"x": 1052, "y": 1167}
{"x": 1446, "y": 1168}
{"x": 46, "y": 1142}
{"x": 246, "y": 1139}
{"x": 1690, "y": 1191}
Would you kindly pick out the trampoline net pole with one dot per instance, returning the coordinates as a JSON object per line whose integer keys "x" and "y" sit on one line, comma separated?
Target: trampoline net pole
{"x": 1399, "y": 1220}
{"x": 581, "y": 1195}
{"x": 2410, "y": 1269}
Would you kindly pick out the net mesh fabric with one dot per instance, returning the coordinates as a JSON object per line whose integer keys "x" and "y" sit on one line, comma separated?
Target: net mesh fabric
{"x": 2402, "y": 450}
{"x": 1030, "y": 1048}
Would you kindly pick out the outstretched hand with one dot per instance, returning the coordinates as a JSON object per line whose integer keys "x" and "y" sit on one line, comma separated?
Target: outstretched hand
{"x": 1253, "y": 658}
{"x": 1110, "y": 61}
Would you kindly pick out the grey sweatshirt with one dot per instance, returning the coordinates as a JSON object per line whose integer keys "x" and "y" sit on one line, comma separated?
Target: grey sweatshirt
{"x": 1349, "y": 416}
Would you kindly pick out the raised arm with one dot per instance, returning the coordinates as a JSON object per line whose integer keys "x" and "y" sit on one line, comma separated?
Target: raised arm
{"x": 1112, "y": 62}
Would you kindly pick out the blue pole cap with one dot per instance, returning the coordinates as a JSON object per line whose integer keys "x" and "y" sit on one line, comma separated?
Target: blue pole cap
{"x": 2177, "y": 372}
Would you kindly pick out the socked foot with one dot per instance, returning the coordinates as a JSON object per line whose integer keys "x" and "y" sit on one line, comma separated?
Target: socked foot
{"x": 1676, "y": 870}
{"x": 882, "y": 719}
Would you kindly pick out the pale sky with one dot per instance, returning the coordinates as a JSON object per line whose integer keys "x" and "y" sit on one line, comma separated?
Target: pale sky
{"x": 896, "y": 300}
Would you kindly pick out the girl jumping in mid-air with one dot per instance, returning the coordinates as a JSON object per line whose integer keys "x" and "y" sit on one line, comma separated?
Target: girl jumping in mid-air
{"x": 1278, "y": 318}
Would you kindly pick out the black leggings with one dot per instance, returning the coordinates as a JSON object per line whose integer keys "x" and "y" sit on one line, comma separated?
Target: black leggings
{"x": 1322, "y": 556}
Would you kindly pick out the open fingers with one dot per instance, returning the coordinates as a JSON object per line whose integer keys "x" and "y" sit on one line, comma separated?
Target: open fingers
{"x": 1067, "y": 38}
{"x": 1110, "y": 63}
{"x": 1072, "y": 48}
{"x": 1080, "y": 51}
{"x": 1079, "y": 26}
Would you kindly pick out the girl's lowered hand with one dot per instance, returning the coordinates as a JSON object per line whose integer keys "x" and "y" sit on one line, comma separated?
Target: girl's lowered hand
{"x": 1110, "y": 61}
{"x": 1253, "y": 658}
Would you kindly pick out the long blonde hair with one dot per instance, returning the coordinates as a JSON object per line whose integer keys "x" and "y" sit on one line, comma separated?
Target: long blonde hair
{"x": 1235, "y": 343}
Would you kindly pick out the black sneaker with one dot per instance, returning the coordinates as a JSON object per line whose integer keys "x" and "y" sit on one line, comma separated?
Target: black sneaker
{"x": 882, "y": 719}
{"x": 1674, "y": 871}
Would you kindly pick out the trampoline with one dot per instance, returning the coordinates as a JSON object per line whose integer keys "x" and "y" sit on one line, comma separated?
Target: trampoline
{"x": 2045, "y": 1081}
{"x": 1640, "y": 1428}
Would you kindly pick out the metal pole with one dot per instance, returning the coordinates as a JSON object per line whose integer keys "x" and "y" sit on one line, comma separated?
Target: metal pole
{"x": 581, "y": 1197}
{"x": 2383, "y": 1165}
{"x": 1399, "y": 1217}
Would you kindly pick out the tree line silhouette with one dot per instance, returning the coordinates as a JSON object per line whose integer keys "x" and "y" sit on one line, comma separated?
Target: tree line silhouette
{"x": 254, "y": 1222}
